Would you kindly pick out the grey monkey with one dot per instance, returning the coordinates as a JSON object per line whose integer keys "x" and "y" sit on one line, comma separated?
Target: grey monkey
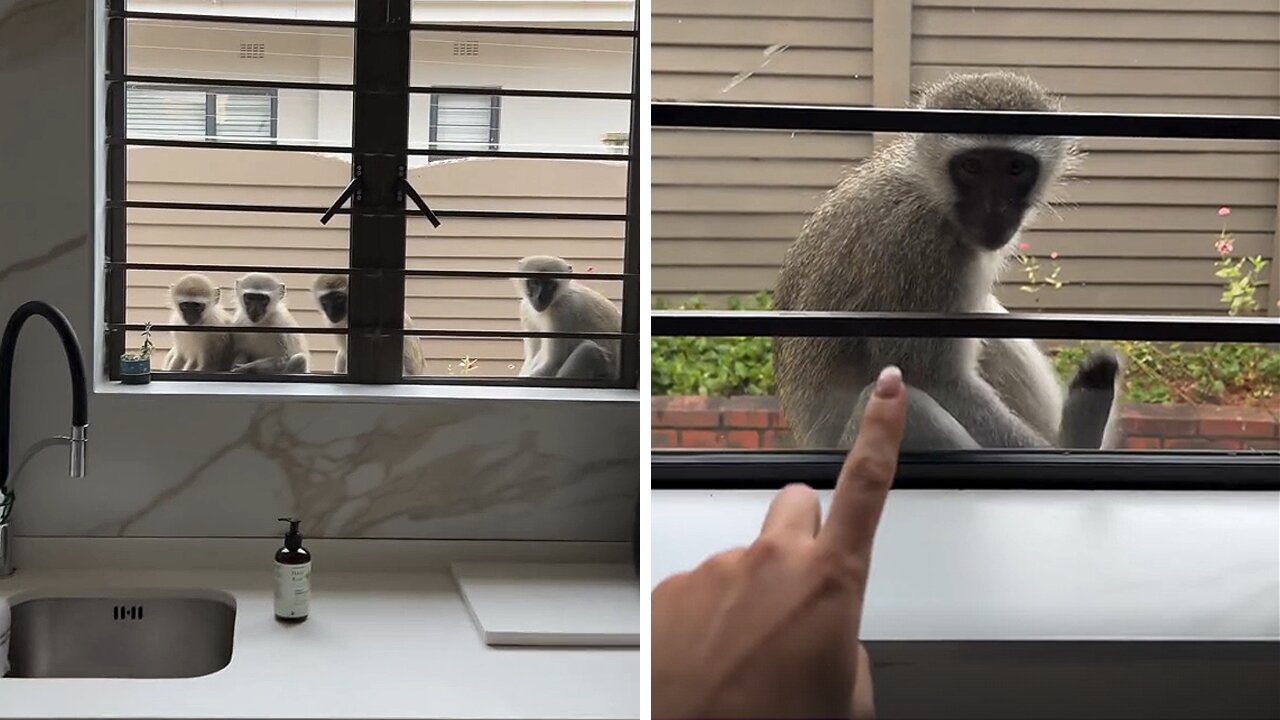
{"x": 565, "y": 305}
{"x": 925, "y": 225}
{"x": 194, "y": 301}
{"x": 260, "y": 302}
{"x": 331, "y": 294}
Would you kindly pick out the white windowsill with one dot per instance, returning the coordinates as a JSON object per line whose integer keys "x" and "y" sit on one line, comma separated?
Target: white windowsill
{"x": 336, "y": 392}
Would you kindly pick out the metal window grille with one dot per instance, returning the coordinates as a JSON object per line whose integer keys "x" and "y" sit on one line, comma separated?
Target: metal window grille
{"x": 1024, "y": 470}
{"x": 379, "y": 152}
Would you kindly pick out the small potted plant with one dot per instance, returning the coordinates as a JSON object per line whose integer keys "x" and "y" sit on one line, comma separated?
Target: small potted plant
{"x": 135, "y": 368}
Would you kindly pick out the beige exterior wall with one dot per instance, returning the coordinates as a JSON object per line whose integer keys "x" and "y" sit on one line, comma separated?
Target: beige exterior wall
{"x": 209, "y": 51}
{"x": 1137, "y": 234}
{"x": 299, "y": 240}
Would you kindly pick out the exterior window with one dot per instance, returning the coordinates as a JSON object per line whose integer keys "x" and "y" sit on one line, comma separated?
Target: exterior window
{"x": 175, "y": 112}
{"x": 465, "y": 122}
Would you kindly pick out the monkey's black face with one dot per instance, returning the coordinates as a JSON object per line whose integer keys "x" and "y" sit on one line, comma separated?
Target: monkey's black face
{"x": 993, "y": 191}
{"x": 255, "y": 305}
{"x": 192, "y": 312}
{"x": 541, "y": 292}
{"x": 334, "y": 305}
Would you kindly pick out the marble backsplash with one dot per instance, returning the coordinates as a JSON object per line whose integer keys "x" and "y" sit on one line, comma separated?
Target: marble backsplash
{"x": 208, "y": 466}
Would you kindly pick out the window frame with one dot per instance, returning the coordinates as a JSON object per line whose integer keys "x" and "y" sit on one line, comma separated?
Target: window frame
{"x": 674, "y": 469}
{"x": 381, "y": 91}
{"x": 211, "y": 95}
{"x": 495, "y": 118}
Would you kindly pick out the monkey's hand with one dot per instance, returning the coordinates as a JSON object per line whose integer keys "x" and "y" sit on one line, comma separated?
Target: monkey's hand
{"x": 1091, "y": 397}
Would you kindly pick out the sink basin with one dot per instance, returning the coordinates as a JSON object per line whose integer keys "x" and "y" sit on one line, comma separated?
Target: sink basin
{"x": 140, "y": 635}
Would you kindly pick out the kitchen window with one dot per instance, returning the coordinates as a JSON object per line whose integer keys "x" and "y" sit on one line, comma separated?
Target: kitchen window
{"x": 305, "y": 144}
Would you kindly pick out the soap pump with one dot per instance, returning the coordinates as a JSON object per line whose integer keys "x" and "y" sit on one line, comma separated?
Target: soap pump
{"x": 293, "y": 576}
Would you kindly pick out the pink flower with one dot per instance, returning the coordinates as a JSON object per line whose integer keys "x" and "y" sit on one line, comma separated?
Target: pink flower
{"x": 1223, "y": 246}
{"x": 1024, "y": 246}
{"x": 1053, "y": 255}
{"x": 1224, "y": 211}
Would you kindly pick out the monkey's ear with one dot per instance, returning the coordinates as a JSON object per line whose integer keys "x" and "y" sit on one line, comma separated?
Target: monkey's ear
{"x": 280, "y": 291}
{"x": 217, "y": 295}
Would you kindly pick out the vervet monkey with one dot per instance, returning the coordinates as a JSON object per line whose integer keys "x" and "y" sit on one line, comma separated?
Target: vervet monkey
{"x": 926, "y": 225}
{"x": 195, "y": 301}
{"x": 330, "y": 293}
{"x": 260, "y": 302}
{"x": 565, "y": 305}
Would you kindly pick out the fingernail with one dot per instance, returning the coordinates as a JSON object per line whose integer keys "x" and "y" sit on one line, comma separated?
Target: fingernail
{"x": 889, "y": 384}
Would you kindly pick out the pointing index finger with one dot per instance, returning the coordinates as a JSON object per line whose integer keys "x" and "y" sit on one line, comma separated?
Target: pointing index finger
{"x": 868, "y": 470}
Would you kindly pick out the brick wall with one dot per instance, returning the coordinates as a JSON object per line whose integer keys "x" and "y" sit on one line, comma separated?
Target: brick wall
{"x": 757, "y": 423}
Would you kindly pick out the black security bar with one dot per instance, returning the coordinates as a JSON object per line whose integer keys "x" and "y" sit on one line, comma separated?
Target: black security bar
{"x": 978, "y": 470}
{"x": 313, "y": 210}
{"x": 270, "y": 84}
{"x": 525, "y": 30}
{"x": 1039, "y": 326}
{"x": 199, "y": 82}
{"x": 115, "y": 11}
{"x": 516, "y": 92}
{"x": 817, "y": 118}
{"x": 315, "y": 330}
{"x": 463, "y": 380}
{"x": 406, "y": 272}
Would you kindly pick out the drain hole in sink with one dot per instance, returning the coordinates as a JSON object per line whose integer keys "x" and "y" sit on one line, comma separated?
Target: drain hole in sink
{"x": 126, "y": 612}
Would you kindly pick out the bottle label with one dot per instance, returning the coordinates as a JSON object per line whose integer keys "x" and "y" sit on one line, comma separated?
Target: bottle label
{"x": 293, "y": 590}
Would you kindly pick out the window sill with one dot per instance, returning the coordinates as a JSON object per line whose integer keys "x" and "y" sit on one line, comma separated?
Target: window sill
{"x": 335, "y": 392}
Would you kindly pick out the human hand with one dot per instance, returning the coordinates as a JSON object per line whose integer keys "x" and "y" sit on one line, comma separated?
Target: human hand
{"x": 771, "y": 630}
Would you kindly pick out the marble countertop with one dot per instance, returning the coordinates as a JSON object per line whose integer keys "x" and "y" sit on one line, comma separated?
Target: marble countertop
{"x": 391, "y": 641}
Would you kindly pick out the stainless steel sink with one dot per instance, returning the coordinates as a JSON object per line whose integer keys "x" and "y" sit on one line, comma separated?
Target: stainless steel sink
{"x": 122, "y": 636}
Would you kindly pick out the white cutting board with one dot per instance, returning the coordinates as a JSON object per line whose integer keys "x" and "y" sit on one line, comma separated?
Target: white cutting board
{"x": 550, "y": 604}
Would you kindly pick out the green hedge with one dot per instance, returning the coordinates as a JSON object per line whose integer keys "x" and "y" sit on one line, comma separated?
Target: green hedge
{"x": 1229, "y": 374}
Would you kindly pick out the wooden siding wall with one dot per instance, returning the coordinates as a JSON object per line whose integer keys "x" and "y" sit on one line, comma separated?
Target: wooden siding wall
{"x": 1138, "y": 230}
{"x": 299, "y": 240}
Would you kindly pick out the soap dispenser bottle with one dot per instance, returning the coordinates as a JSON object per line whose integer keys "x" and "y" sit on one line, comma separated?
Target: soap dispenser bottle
{"x": 293, "y": 577}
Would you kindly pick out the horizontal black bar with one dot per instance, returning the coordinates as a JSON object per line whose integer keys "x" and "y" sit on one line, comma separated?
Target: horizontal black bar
{"x": 967, "y": 122}
{"x": 522, "y": 30}
{"x": 520, "y": 154}
{"x": 505, "y": 334}
{"x": 977, "y": 470}
{"x": 319, "y": 211}
{"x": 296, "y": 270}
{"x": 512, "y": 92}
{"x": 230, "y": 83}
{"x": 415, "y": 332}
{"x": 1040, "y": 326}
{"x": 500, "y": 381}
{"x": 334, "y": 378}
{"x": 251, "y": 329}
{"x": 233, "y": 19}
{"x": 351, "y": 24}
{"x": 230, "y": 145}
